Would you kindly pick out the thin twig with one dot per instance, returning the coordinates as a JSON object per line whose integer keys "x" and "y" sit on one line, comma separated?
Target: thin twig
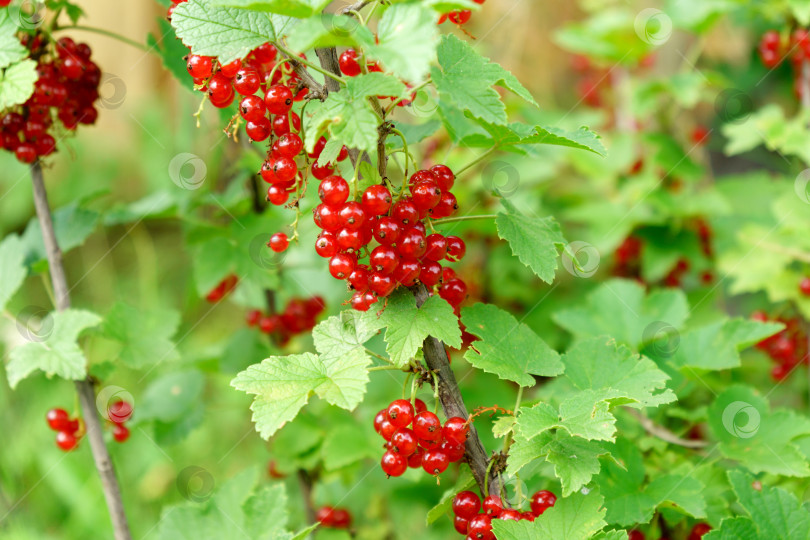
{"x": 663, "y": 433}
{"x": 305, "y": 482}
{"x": 84, "y": 387}
{"x": 357, "y": 6}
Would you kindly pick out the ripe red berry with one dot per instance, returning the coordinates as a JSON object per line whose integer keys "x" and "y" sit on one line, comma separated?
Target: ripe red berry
{"x": 120, "y": 433}
{"x": 454, "y": 291}
{"x": 412, "y": 243}
{"x": 400, "y": 411}
{"x": 284, "y": 169}
{"x": 58, "y": 419}
{"x": 119, "y": 412}
{"x": 459, "y": 17}
{"x": 382, "y": 284}
{"x": 407, "y": 271}
{"x": 220, "y": 91}
{"x": 387, "y": 230}
{"x": 419, "y": 405}
{"x": 456, "y": 248}
{"x": 426, "y": 425}
{"x": 480, "y": 528}
{"x": 247, "y": 81}
{"x": 466, "y": 504}
{"x": 542, "y": 501}
{"x": 326, "y": 244}
{"x": 349, "y": 240}
{"x": 699, "y": 530}
{"x": 259, "y": 129}
{"x": 284, "y": 123}
{"x": 394, "y": 464}
{"x": 66, "y": 440}
{"x": 252, "y": 108}
{"x": 804, "y": 286}
{"x": 456, "y": 430}
{"x": 430, "y": 273}
{"x": 279, "y": 242}
{"x": 405, "y": 211}
{"x": 334, "y": 190}
{"x": 352, "y": 215}
{"x": 444, "y": 176}
{"x": 460, "y": 524}
{"x": 200, "y": 67}
{"x": 492, "y": 505}
{"x": 327, "y": 218}
{"x": 288, "y": 145}
{"x": 447, "y": 206}
{"x": 436, "y": 247}
{"x": 278, "y": 99}
{"x": 358, "y": 279}
{"x": 383, "y": 259}
{"x": 435, "y": 461}
{"x": 514, "y": 515}
{"x": 426, "y": 195}
{"x": 348, "y": 63}
{"x": 376, "y": 200}
{"x": 404, "y": 442}
{"x": 341, "y": 265}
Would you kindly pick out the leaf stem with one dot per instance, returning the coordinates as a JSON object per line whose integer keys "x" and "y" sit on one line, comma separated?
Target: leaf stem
{"x": 507, "y": 443}
{"x": 462, "y": 218}
{"x": 101, "y": 31}
{"x": 476, "y": 160}
{"x": 384, "y": 368}
{"x": 413, "y": 92}
{"x": 295, "y": 58}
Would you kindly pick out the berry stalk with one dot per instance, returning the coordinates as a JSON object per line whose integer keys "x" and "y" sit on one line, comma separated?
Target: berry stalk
{"x": 84, "y": 388}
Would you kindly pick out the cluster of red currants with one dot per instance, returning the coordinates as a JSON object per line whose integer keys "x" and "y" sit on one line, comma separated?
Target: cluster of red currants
{"x": 65, "y": 90}
{"x": 118, "y": 413}
{"x": 68, "y": 430}
{"x": 225, "y": 287}
{"x": 787, "y": 349}
{"x": 473, "y": 517}
{"x": 299, "y": 316}
{"x": 416, "y": 438}
{"x": 697, "y": 532}
{"x": 773, "y": 48}
{"x": 594, "y": 82}
{"x": 459, "y": 16}
{"x": 404, "y": 253}
{"x": 628, "y": 257}
{"x": 334, "y": 518}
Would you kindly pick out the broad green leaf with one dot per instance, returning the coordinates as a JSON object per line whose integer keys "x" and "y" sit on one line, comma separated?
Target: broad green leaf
{"x": 407, "y": 326}
{"x": 620, "y": 308}
{"x": 171, "y": 397}
{"x": 753, "y": 435}
{"x": 344, "y": 446}
{"x": 738, "y": 528}
{"x": 406, "y": 41}
{"x": 327, "y": 30}
{"x": 11, "y": 50}
{"x": 715, "y": 346}
{"x": 533, "y": 240}
{"x": 445, "y": 504}
{"x": 171, "y": 52}
{"x": 72, "y": 223}
{"x": 514, "y": 134}
{"x": 17, "y": 83}
{"x": 12, "y": 268}
{"x": 291, "y": 8}
{"x": 343, "y": 334}
{"x": 227, "y": 33}
{"x": 585, "y": 414}
{"x": 575, "y": 460}
{"x": 58, "y": 353}
{"x": 348, "y": 117}
{"x": 577, "y": 517}
{"x": 523, "y": 452}
{"x": 465, "y": 79}
{"x": 145, "y": 335}
{"x": 508, "y": 348}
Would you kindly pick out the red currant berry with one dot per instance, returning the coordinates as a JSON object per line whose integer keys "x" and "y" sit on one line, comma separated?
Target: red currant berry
{"x": 282, "y": 123}
{"x": 381, "y": 284}
{"x": 456, "y": 248}
{"x": 400, "y": 411}
{"x": 284, "y": 169}
{"x": 341, "y": 265}
{"x": 466, "y": 504}
{"x": 514, "y": 515}
{"x": 277, "y": 194}
{"x": 26, "y": 153}
{"x": 407, "y": 271}
{"x": 425, "y": 195}
{"x": 447, "y": 206}
{"x": 288, "y": 145}
{"x": 278, "y": 99}
{"x": 404, "y": 442}
{"x": 349, "y": 240}
{"x": 454, "y": 291}
{"x": 252, "y": 317}
{"x": 480, "y": 528}
{"x": 699, "y": 530}
{"x": 341, "y": 519}
{"x": 415, "y": 459}
{"x": 419, "y": 406}
{"x": 460, "y": 524}
{"x": 426, "y": 425}
{"x": 120, "y": 433}
{"x": 412, "y": 243}
{"x": 528, "y": 516}
{"x": 66, "y": 440}
{"x": 376, "y": 200}
{"x": 279, "y": 242}
{"x": 247, "y": 81}
{"x": 58, "y": 419}
{"x": 492, "y": 505}
{"x": 804, "y": 286}
{"x": 334, "y": 190}
{"x": 456, "y": 430}
{"x": 252, "y": 108}
{"x": 383, "y": 259}
{"x": 230, "y": 70}
{"x": 542, "y": 501}
{"x": 327, "y": 218}
{"x": 359, "y": 301}
{"x": 220, "y": 91}
{"x": 352, "y": 215}
{"x": 436, "y": 247}
{"x": 119, "y": 412}
{"x": 258, "y": 130}
{"x": 459, "y": 17}
{"x": 405, "y": 212}
{"x": 394, "y": 464}
{"x": 322, "y": 172}
{"x": 358, "y": 279}
{"x": 635, "y": 535}
{"x": 326, "y": 244}
{"x": 455, "y": 452}
{"x": 387, "y": 230}
{"x": 200, "y": 67}
{"x": 435, "y": 462}
{"x": 348, "y": 63}
{"x": 430, "y": 273}
{"x": 444, "y": 176}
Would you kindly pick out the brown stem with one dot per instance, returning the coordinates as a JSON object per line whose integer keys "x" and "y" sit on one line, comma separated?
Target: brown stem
{"x": 305, "y": 482}
{"x": 329, "y": 61}
{"x": 453, "y": 403}
{"x": 663, "y": 433}
{"x": 84, "y": 387}
{"x": 357, "y": 6}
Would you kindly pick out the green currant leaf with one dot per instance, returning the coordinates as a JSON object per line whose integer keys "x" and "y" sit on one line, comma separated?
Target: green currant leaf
{"x": 344, "y": 446}
{"x": 11, "y": 50}
{"x": 171, "y": 397}
{"x": 621, "y": 309}
{"x": 465, "y": 79}
{"x": 17, "y": 83}
{"x": 508, "y": 348}
{"x": 577, "y": 517}
{"x": 171, "y": 52}
{"x": 12, "y": 268}
{"x": 299, "y": 9}
{"x": 58, "y": 353}
{"x": 575, "y": 460}
{"x": 751, "y": 434}
{"x": 406, "y": 41}
{"x": 327, "y": 30}
{"x": 227, "y": 33}
{"x": 407, "y": 326}
{"x": 145, "y": 335}
{"x": 533, "y": 240}
{"x": 72, "y": 223}
{"x": 514, "y": 134}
